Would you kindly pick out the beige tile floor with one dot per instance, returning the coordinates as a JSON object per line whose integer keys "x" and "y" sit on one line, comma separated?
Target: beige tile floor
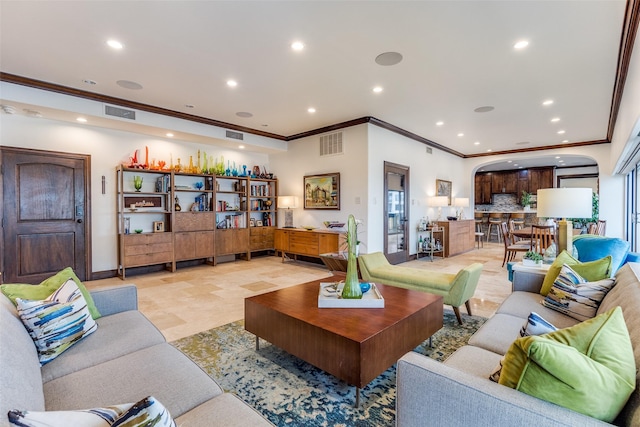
{"x": 196, "y": 299}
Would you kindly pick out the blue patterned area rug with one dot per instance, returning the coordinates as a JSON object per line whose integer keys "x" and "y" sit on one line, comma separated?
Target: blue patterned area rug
{"x": 291, "y": 392}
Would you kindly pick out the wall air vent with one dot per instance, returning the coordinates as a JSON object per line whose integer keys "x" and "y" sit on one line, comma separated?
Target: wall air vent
{"x": 119, "y": 112}
{"x": 331, "y": 144}
{"x": 235, "y": 135}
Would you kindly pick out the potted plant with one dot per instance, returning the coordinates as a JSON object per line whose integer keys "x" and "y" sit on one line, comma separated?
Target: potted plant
{"x": 526, "y": 200}
{"x": 532, "y": 258}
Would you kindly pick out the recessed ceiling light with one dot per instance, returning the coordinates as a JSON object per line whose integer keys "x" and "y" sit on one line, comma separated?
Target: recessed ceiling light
{"x": 81, "y": 120}
{"x": 127, "y": 84}
{"x": 476, "y": 143}
{"x": 509, "y": 161}
{"x": 555, "y": 119}
{"x": 169, "y": 134}
{"x": 565, "y": 140}
{"x": 519, "y": 167}
{"x": 115, "y": 44}
{"x": 244, "y": 114}
{"x": 515, "y": 164}
{"x": 560, "y": 161}
{"x": 297, "y": 45}
{"x": 241, "y": 147}
{"x": 484, "y": 109}
{"x": 388, "y": 58}
{"x": 547, "y": 102}
{"x": 481, "y": 170}
{"x": 521, "y": 44}
{"x": 311, "y": 110}
{"x": 488, "y": 149}
{"x": 560, "y": 132}
{"x": 232, "y": 83}
{"x": 461, "y": 134}
{"x": 439, "y": 123}
{"x": 377, "y": 89}
{"x": 557, "y": 157}
{"x": 89, "y": 82}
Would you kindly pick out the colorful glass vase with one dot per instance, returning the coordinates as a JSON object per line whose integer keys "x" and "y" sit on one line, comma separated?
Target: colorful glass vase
{"x": 352, "y": 288}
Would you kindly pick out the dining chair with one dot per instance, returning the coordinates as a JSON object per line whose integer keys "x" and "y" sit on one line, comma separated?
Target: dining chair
{"x": 598, "y": 228}
{"x": 514, "y": 238}
{"x": 518, "y": 219}
{"x": 510, "y": 249}
{"x": 541, "y": 237}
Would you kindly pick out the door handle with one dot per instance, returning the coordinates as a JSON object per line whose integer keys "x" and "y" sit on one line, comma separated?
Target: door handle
{"x": 79, "y": 221}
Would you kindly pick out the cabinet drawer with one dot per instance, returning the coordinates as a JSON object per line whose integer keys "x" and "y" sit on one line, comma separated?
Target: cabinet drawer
{"x": 147, "y": 249}
{"x": 146, "y": 259}
{"x": 147, "y": 239}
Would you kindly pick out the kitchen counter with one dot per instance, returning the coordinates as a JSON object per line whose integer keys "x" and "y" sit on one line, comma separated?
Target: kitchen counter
{"x": 531, "y": 211}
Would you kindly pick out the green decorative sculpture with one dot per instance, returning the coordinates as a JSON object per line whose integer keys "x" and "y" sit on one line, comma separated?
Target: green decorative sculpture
{"x": 351, "y": 288}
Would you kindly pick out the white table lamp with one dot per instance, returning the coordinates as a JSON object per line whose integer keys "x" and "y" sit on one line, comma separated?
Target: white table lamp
{"x": 565, "y": 203}
{"x": 439, "y": 202}
{"x": 288, "y": 202}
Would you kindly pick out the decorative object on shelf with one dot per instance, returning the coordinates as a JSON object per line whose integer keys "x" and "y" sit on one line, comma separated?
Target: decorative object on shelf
{"x": 244, "y": 170}
{"x": 176, "y": 205}
{"x": 351, "y": 288}
{"x": 158, "y": 226}
{"x": 365, "y": 286}
{"x": 460, "y": 203}
{"x": 532, "y": 258}
{"x": 438, "y": 202}
{"x": 127, "y": 225}
{"x": 138, "y": 230}
{"x": 565, "y": 203}
{"x": 287, "y": 202}
{"x": 443, "y": 188}
{"x": 322, "y": 191}
{"x": 137, "y": 183}
{"x": 252, "y": 222}
{"x": 526, "y": 200}
{"x": 308, "y": 227}
{"x": 198, "y": 185}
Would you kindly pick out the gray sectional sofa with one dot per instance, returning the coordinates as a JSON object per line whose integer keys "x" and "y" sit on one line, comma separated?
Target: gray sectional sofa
{"x": 125, "y": 360}
{"x": 459, "y": 392}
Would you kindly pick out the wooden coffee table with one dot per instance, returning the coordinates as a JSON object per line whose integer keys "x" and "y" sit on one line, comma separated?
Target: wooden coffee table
{"x": 353, "y": 344}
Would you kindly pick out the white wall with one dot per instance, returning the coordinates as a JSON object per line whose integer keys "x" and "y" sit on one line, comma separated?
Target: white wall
{"x": 424, "y": 170}
{"x": 108, "y": 148}
{"x": 303, "y": 158}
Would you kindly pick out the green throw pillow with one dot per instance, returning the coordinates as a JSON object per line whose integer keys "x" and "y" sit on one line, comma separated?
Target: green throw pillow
{"x": 592, "y": 270}
{"x": 588, "y": 368}
{"x": 47, "y": 287}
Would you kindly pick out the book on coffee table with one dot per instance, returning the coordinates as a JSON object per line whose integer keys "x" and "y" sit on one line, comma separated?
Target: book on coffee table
{"x": 330, "y": 297}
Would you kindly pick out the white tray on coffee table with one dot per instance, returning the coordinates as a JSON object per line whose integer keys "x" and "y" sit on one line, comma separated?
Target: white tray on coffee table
{"x": 328, "y": 299}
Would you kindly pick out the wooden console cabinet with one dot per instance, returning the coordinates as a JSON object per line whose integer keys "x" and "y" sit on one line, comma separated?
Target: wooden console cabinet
{"x": 459, "y": 236}
{"x": 303, "y": 242}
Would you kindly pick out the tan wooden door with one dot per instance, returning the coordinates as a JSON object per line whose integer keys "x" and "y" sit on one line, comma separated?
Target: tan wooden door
{"x": 45, "y": 212}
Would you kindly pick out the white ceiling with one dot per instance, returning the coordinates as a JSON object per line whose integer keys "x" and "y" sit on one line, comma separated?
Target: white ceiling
{"x": 457, "y": 56}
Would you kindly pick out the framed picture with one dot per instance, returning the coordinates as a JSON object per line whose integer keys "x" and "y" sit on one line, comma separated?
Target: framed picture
{"x": 158, "y": 226}
{"x": 443, "y": 188}
{"x": 322, "y": 191}
{"x": 252, "y": 222}
{"x": 259, "y": 223}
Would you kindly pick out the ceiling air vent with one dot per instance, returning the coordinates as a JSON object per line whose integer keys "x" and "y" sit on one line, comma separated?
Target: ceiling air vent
{"x": 119, "y": 112}
{"x": 331, "y": 144}
{"x": 235, "y": 135}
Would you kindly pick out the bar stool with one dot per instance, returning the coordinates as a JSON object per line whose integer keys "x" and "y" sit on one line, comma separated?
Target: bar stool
{"x": 518, "y": 220}
{"x": 479, "y": 217}
{"x": 495, "y": 219}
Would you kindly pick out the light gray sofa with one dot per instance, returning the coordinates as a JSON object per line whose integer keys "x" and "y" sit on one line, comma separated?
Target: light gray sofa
{"x": 125, "y": 360}
{"x": 459, "y": 392}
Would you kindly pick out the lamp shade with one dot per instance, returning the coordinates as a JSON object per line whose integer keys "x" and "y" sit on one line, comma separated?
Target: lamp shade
{"x": 461, "y": 202}
{"x": 438, "y": 201}
{"x": 287, "y": 202}
{"x": 564, "y": 203}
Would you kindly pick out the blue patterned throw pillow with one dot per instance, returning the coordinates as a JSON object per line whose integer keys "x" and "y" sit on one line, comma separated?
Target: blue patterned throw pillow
{"x": 536, "y": 325}
{"x": 148, "y": 412}
{"x": 575, "y": 296}
{"x": 58, "y": 322}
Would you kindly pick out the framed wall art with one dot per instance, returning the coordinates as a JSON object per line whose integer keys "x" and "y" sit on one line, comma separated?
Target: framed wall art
{"x": 443, "y": 188}
{"x": 322, "y": 191}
